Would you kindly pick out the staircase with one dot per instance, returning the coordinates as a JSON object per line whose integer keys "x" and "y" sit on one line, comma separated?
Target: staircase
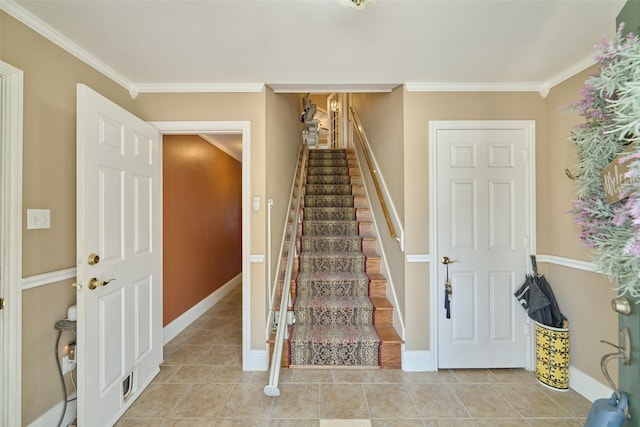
{"x": 342, "y": 315}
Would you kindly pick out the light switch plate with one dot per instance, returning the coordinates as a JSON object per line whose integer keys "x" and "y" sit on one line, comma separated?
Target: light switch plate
{"x": 38, "y": 219}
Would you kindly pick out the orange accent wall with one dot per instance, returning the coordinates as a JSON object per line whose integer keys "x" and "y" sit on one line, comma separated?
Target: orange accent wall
{"x": 202, "y": 224}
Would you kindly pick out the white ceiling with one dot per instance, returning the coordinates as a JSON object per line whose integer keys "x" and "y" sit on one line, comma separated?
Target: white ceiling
{"x": 319, "y": 45}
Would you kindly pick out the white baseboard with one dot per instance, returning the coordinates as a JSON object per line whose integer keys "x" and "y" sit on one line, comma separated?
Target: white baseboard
{"x": 587, "y": 386}
{"x": 178, "y": 325}
{"x": 52, "y": 416}
{"x": 417, "y": 361}
{"x": 258, "y": 360}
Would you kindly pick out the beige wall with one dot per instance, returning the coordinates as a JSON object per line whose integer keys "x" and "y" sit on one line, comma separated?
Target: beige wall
{"x": 584, "y": 297}
{"x": 284, "y": 139}
{"x": 49, "y": 169}
{"x": 228, "y": 107}
{"x": 560, "y": 234}
{"x": 381, "y": 116}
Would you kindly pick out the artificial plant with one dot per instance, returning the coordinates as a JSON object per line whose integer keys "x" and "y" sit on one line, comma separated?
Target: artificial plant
{"x": 610, "y": 106}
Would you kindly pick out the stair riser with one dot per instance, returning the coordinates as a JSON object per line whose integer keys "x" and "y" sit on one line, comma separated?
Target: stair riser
{"x": 378, "y": 289}
{"x": 345, "y": 244}
{"x": 328, "y": 189}
{"x": 371, "y": 265}
{"x": 365, "y": 228}
{"x": 390, "y": 355}
{"x": 383, "y": 318}
{"x": 333, "y": 316}
{"x": 369, "y": 245}
{"x": 361, "y": 214}
{"x": 331, "y": 264}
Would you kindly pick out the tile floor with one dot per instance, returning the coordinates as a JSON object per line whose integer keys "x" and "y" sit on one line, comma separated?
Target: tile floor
{"x": 201, "y": 383}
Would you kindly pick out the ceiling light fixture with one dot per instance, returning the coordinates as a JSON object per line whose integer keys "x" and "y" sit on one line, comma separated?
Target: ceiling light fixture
{"x": 356, "y": 4}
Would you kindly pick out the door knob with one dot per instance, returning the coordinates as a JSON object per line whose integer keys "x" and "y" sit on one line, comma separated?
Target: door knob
{"x": 446, "y": 260}
{"x": 94, "y": 283}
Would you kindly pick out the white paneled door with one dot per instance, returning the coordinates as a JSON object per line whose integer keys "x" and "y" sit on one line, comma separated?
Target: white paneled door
{"x": 118, "y": 258}
{"x": 482, "y": 213}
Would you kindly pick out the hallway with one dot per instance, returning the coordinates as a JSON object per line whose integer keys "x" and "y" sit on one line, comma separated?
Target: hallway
{"x": 201, "y": 383}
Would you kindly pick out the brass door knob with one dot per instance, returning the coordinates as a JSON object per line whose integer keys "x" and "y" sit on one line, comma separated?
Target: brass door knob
{"x": 94, "y": 283}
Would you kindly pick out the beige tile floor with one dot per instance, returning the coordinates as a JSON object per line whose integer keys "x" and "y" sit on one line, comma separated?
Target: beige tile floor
{"x": 201, "y": 383}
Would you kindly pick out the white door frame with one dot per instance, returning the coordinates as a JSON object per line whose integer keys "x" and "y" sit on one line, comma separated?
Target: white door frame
{"x": 528, "y": 126}
{"x": 11, "y": 99}
{"x": 243, "y": 127}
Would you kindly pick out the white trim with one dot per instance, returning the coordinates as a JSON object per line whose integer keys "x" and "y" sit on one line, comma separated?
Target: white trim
{"x": 587, "y": 386}
{"x": 567, "y": 262}
{"x": 178, "y": 325}
{"x": 198, "y": 127}
{"x": 473, "y": 87}
{"x": 576, "y": 68}
{"x": 417, "y": 361}
{"x": 258, "y": 360}
{"x": 528, "y": 126}
{"x": 48, "y": 278}
{"x": 244, "y": 127}
{"x": 198, "y": 87}
{"x": 333, "y": 88}
{"x": 54, "y": 36}
{"x": 52, "y": 416}
{"x": 256, "y": 258}
{"x": 418, "y": 258}
{"x": 11, "y": 108}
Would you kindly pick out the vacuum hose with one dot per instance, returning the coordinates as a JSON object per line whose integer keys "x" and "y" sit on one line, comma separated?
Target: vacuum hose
{"x": 64, "y": 387}
{"x": 603, "y": 366}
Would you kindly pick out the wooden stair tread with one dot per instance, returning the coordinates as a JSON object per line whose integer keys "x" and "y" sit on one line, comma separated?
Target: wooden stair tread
{"x": 376, "y": 276}
{"x": 388, "y": 335}
{"x": 381, "y": 303}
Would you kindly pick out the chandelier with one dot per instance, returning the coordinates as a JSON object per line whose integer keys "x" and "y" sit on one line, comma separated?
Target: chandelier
{"x": 356, "y": 4}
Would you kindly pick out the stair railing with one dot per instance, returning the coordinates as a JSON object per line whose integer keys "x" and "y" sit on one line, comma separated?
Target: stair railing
{"x": 395, "y": 229}
{"x": 273, "y": 281}
{"x": 271, "y": 389}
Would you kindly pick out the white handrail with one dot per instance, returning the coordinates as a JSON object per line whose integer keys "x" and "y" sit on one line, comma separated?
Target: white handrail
{"x": 271, "y": 389}
{"x": 273, "y": 281}
{"x": 269, "y": 208}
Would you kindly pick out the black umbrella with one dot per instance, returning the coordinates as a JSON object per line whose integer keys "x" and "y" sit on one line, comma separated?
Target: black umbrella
{"x": 536, "y": 297}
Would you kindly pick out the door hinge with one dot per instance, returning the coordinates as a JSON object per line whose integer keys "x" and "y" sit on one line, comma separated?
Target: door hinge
{"x": 1, "y": 303}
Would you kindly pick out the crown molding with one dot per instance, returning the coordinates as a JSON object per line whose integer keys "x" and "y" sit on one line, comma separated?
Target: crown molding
{"x": 543, "y": 88}
{"x": 198, "y": 87}
{"x": 46, "y": 31}
{"x": 472, "y": 87}
{"x": 333, "y": 87}
{"x": 566, "y": 74}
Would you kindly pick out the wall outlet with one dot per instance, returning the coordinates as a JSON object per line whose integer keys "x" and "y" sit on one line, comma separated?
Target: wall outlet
{"x": 38, "y": 218}
{"x": 68, "y": 365}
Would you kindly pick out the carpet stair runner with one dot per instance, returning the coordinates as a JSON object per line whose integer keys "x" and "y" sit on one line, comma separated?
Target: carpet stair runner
{"x": 342, "y": 316}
